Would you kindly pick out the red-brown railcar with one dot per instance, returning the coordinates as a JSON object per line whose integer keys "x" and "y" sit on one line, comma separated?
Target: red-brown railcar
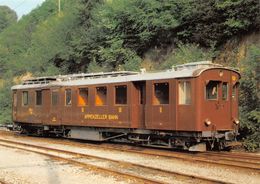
{"x": 187, "y": 107}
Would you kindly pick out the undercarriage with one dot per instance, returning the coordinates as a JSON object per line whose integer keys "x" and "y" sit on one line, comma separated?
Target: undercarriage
{"x": 191, "y": 141}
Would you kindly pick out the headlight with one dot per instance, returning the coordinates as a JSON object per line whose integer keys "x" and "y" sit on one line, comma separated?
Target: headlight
{"x": 207, "y": 122}
{"x": 236, "y": 121}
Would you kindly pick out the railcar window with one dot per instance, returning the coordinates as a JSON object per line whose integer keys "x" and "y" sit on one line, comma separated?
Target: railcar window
{"x": 234, "y": 89}
{"x": 83, "y": 97}
{"x": 68, "y": 97}
{"x": 184, "y": 93}
{"x": 25, "y": 98}
{"x": 15, "y": 99}
{"x": 121, "y": 94}
{"x": 38, "y": 97}
{"x": 101, "y": 96}
{"x": 212, "y": 90}
{"x": 224, "y": 91}
{"x": 54, "y": 98}
{"x": 161, "y": 93}
{"x": 142, "y": 95}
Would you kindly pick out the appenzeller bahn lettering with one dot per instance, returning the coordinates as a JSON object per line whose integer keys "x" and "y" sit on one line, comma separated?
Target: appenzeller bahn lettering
{"x": 101, "y": 116}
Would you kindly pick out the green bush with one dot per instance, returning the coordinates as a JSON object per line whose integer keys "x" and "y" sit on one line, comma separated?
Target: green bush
{"x": 6, "y": 103}
{"x": 186, "y": 53}
{"x": 250, "y": 98}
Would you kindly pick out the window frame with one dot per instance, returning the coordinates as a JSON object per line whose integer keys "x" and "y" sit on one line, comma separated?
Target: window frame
{"x": 227, "y": 92}
{"x": 205, "y": 91}
{"x": 154, "y": 96}
{"x": 37, "y": 98}
{"x": 185, "y": 82}
{"x": 142, "y": 95}
{"x": 234, "y": 93}
{"x": 57, "y": 101}
{"x": 25, "y": 105}
{"x": 15, "y": 99}
{"x": 115, "y": 96}
{"x": 96, "y": 90}
{"x": 65, "y": 92}
{"x": 87, "y": 88}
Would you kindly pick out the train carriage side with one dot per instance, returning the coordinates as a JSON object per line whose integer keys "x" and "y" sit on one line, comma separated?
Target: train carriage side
{"x": 99, "y": 105}
{"x": 104, "y": 105}
{"x": 167, "y": 109}
{"x": 213, "y": 111}
{"x": 218, "y": 104}
{"x": 23, "y": 105}
{"x": 32, "y": 107}
{"x": 100, "y": 110}
{"x": 194, "y": 110}
{"x": 171, "y": 104}
{"x": 171, "y": 112}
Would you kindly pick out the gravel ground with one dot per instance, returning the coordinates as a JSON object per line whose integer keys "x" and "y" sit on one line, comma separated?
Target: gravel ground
{"x": 21, "y": 167}
{"x": 216, "y": 172}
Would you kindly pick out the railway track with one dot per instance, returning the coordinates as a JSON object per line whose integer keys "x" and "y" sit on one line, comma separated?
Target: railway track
{"x": 237, "y": 156}
{"x": 234, "y": 160}
{"x": 242, "y": 161}
{"x": 122, "y": 169}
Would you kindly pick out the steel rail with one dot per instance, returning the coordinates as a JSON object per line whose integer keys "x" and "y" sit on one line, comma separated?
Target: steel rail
{"x": 198, "y": 157}
{"x": 90, "y": 167}
{"x": 219, "y": 159}
{"x": 124, "y": 163}
{"x": 253, "y": 158}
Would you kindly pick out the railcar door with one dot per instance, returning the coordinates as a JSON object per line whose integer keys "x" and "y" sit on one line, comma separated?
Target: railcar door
{"x": 14, "y": 105}
{"x": 186, "y": 109}
{"x": 138, "y": 107}
{"x": 55, "y": 106}
{"x": 68, "y": 104}
{"x": 218, "y": 103}
{"x": 158, "y": 109}
{"x": 46, "y": 104}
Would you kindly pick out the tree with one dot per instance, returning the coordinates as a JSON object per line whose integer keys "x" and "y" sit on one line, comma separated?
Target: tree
{"x": 186, "y": 53}
{"x": 250, "y": 98}
{"x": 6, "y": 102}
{"x": 7, "y": 17}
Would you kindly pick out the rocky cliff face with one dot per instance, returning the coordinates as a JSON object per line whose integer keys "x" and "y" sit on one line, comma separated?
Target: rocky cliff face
{"x": 235, "y": 50}
{"x": 229, "y": 54}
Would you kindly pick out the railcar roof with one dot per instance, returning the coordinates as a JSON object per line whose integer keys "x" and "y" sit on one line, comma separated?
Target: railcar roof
{"x": 188, "y": 70}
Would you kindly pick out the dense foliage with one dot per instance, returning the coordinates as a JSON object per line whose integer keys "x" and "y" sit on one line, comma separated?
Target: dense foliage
{"x": 119, "y": 31}
{"x": 105, "y": 35}
{"x": 250, "y": 98}
{"x": 7, "y": 17}
{"x": 5, "y": 105}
